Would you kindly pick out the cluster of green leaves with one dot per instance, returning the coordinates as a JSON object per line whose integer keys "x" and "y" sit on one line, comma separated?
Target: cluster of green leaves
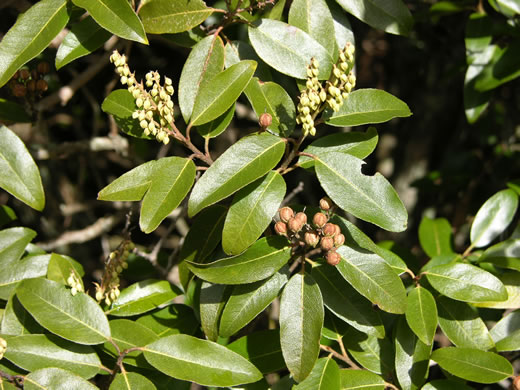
{"x": 375, "y": 310}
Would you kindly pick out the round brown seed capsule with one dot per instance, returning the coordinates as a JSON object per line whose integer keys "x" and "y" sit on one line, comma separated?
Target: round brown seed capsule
{"x": 319, "y": 220}
{"x": 43, "y": 67}
{"x": 326, "y": 243}
{"x": 286, "y": 213}
{"x": 295, "y": 225}
{"x": 329, "y": 229}
{"x": 516, "y": 383}
{"x": 339, "y": 239}
{"x": 31, "y": 85}
{"x": 326, "y": 203}
{"x": 333, "y": 258}
{"x": 280, "y": 228}
{"x": 25, "y": 74}
{"x": 338, "y": 229}
{"x": 42, "y": 86}
{"x": 16, "y": 75}
{"x": 34, "y": 74}
{"x": 265, "y": 120}
{"x": 302, "y": 217}
{"x": 19, "y": 90}
{"x": 312, "y": 238}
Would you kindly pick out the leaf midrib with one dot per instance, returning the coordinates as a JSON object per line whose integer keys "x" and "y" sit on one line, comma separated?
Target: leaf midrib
{"x": 220, "y": 267}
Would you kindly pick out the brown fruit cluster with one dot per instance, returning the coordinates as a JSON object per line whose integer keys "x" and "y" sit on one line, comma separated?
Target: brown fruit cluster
{"x": 319, "y": 233}
{"x": 30, "y": 83}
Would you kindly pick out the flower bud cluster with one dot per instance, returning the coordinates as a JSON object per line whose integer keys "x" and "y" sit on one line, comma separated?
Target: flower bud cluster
{"x": 154, "y": 105}
{"x": 30, "y": 83}
{"x": 342, "y": 79}
{"x": 3, "y": 347}
{"x": 74, "y": 282}
{"x": 319, "y": 233}
{"x": 310, "y": 99}
{"x": 116, "y": 263}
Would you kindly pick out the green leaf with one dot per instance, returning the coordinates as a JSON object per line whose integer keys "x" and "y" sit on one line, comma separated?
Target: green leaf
{"x": 271, "y": 98}
{"x": 505, "y": 254}
{"x": 61, "y": 266}
{"x": 360, "y": 379}
{"x": 76, "y": 318}
{"x": 473, "y": 364}
{"x": 249, "y": 300}
{"x": 218, "y": 94}
{"x": 20, "y": 177}
{"x": 173, "y": 319}
{"x": 17, "y": 321}
{"x": 171, "y": 181}
{"x": 116, "y": 16}
{"x": 288, "y": 49}
{"x": 324, "y": 376}
{"x": 251, "y": 212}
{"x": 373, "y": 278}
{"x": 217, "y": 126}
{"x": 130, "y": 186}
{"x": 13, "y": 112}
{"x": 143, "y": 296}
{"x": 315, "y": 18}
{"x": 333, "y": 327}
{"x": 262, "y": 349}
{"x": 205, "y": 61}
{"x": 201, "y": 361}
{"x": 370, "y": 198}
{"x": 346, "y": 303}
{"x": 462, "y": 325}
{"x": 13, "y": 242}
{"x": 376, "y": 355}
{"x": 412, "y": 357}
{"x": 131, "y": 381}
{"x": 237, "y": 51}
{"x": 84, "y": 37}
{"x": 245, "y": 161}
{"x": 213, "y": 297}
{"x": 446, "y": 384}
{"x": 342, "y": 28}
{"x": 30, "y": 35}
{"x": 511, "y": 281}
{"x": 391, "y": 16}
{"x": 56, "y": 379}
{"x": 165, "y": 16}
{"x": 366, "y": 106}
{"x": 355, "y": 143}
{"x": 506, "y": 333}
{"x": 501, "y": 69}
{"x": 26, "y": 268}
{"x": 35, "y": 351}
{"x": 435, "y": 236}
{"x": 301, "y": 320}
{"x": 421, "y": 314}
{"x": 493, "y": 217}
{"x": 7, "y": 215}
{"x": 465, "y": 282}
{"x": 258, "y": 262}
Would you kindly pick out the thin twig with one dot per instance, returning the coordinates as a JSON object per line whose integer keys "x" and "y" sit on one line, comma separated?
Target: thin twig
{"x": 16, "y": 380}
{"x": 339, "y": 356}
{"x": 299, "y": 188}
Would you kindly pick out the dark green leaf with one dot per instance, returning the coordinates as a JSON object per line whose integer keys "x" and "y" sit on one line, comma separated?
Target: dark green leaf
{"x": 17, "y": 321}
{"x": 473, "y": 364}
{"x": 173, "y": 319}
{"x": 258, "y": 262}
{"x": 76, "y": 318}
{"x": 505, "y": 254}
{"x": 165, "y": 16}
{"x": 373, "y": 278}
{"x": 30, "y": 35}
{"x": 116, "y": 16}
{"x": 366, "y": 106}
{"x": 12, "y": 112}
{"x": 245, "y": 161}
{"x": 435, "y": 236}
{"x": 511, "y": 281}
{"x": 20, "y": 176}
{"x": 26, "y": 268}
{"x": 445, "y": 384}
{"x": 501, "y": 69}
{"x": 56, "y": 379}
{"x": 360, "y": 379}
{"x": 217, "y": 126}
{"x": 371, "y": 198}
{"x": 213, "y": 297}
{"x": 301, "y": 320}
{"x": 201, "y": 361}
{"x": 506, "y": 333}
{"x": 7, "y": 215}
{"x": 131, "y": 381}
{"x": 333, "y": 327}
{"x": 13, "y": 242}
{"x": 251, "y": 212}
{"x": 342, "y": 28}
{"x": 421, "y": 314}
{"x": 324, "y": 376}
{"x": 130, "y": 186}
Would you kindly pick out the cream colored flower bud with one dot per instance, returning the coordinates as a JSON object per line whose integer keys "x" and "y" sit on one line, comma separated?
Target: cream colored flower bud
{"x": 73, "y": 291}
{"x": 154, "y": 92}
{"x": 112, "y": 295}
{"x": 135, "y": 114}
{"x": 3, "y": 343}
{"x": 323, "y": 95}
{"x": 143, "y": 124}
{"x": 108, "y": 302}
{"x": 306, "y": 110}
{"x": 309, "y": 84}
{"x": 142, "y": 116}
{"x": 99, "y": 295}
{"x": 169, "y": 104}
{"x": 167, "y": 81}
{"x": 149, "y": 76}
{"x": 165, "y": 111}
{"x": 112, "y": 255}
{"x": 343, "y": 77}
{"x": 336, "y": 71}
{"x": 149, "y": 83}
{"x": 136, "y": 93}
{"x": 169, "y": 118}
{"x": 163, "y": 95}
{"x": 139, "y": 102}
{"x": 147, "y": 104}
{"x": 70, "y": 280}
{"x": 166, "y": 140}
{"x": 160, "y": 136}
{"x": 352, "y": 78}
{"x": 170, "y": 90}
{"x": 131, "y": 80}
{"x": 149, "y": 115}
{"x": 344, "y": 66}
{"x": 344, "y": 94}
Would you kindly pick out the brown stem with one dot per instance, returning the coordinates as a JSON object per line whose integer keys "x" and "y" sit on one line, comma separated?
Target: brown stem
{"x": 339, "y": 356}
{"x": 293, "y": 153}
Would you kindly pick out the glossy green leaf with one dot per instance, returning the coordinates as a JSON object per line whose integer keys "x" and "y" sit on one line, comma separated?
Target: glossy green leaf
{"x": 376, "y": 355}
{"x": 342, "y": 28}
{"x": 373, "y": 278}
{"x": 360, "y": 379}
{"x": 12, "y": 112}
{"x": 213, "y": 297}
{"x": 143, "y": 296}
{"x": 391, "y": 16}
{"x": 5, "y": 385}
{"x": 26, "y": 268}
{"x": 7, "y": 215}
{"x": 21, "y": 177}
{"x": 370, "y": 198}
{"x": 218, "y": 94}
{"x": 511, "y": 281}
{"x": 271, "y": 98}
{"x": 171, "y": 181}
{"x": 251, "y": 212}
{"x": 130, "y": 186}
{"x": 35, "y": 351}
{"x": 465, "y": 282}
{"x": 83, "y": 38}
{"x": 17, "y": 321}
{"x": 412, "y": 357}
{"x": 172, "y": 319}
{"x": 421, "y": 314}
{"x": 473, "y": 364}
{"x": 355, "y": 143}
{"x": 506, "y": 333}
{"x": 288, "y": 49}
{"x": 61, "y": 266}
{"x": 324, "y": 376}
{"x": 301, "y": 320}
{"x": 435, "y": 236}
{"x": 131, "y": 381}
{"x": 165, "y": 16}
{"x": 237, "y": 51}
{"x": 501, "y": 69}
{"x": 56, "y": 379}
{"x": 258, "y": 262}
{"x": 116, "y": 16}
{"x": 30, "y": 35}
{"x": 201, "y": 361}
{"x": 262, "y": 349}
{"x": 217, "y": 126}
{"x": 346, "y": 303}
{"x": 366, "y": 106}
{"x": 505, "y": 254}
{"x": 446, "y": 384}
{"x": 245, "y": 161}
{"x": 249, "y": 300}
{"x": 205, "y": 61}
{"x": 462, "y": 325}
{"x": 13, "y": 242}
{"x": 333, "y": 327}
{"x": 315, "y": 18}
{"x": 493, "y": 217}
